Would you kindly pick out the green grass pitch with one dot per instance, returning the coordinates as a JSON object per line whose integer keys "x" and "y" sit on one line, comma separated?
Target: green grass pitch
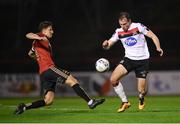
{"x": 159, "y": 109}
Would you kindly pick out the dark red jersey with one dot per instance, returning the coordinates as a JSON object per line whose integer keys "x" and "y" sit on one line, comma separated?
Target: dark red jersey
{"x": 43, "y": 53}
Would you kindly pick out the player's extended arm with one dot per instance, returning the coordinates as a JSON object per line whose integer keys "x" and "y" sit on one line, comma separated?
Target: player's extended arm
{"x": 34, "y": 36}
{"x": 107, "y": 44}
{"x": 155, "y": 39}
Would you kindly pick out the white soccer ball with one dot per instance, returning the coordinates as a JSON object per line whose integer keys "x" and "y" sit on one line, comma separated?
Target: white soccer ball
{"x": 102, "y": 65}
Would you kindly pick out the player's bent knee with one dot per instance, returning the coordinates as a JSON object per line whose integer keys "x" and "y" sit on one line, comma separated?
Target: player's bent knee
{"x": 49, "y": 97}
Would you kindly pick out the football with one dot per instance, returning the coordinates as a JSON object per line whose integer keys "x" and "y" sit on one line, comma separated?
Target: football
{"x": 102, "y": 65}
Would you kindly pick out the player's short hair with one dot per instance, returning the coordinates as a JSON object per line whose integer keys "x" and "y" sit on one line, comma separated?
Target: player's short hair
{"x": 44, "y": 25}
{"x": 124, "y": 15}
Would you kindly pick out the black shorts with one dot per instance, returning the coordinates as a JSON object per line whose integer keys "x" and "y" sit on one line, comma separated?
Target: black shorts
{"x": 50, "y": 77}
{"x": 141, "y": 67}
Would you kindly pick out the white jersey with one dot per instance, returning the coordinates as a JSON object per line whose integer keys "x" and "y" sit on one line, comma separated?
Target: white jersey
{"x": 133, "y": 41}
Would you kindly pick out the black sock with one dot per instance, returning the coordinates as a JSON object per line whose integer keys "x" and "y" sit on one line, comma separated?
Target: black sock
{"x": 80, "y": 92}
{"x": 35, "y": 104}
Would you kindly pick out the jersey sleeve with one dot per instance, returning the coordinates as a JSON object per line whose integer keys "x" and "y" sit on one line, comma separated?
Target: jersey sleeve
{"x": 114, "y": 37}
{"x": 143, "y": 29}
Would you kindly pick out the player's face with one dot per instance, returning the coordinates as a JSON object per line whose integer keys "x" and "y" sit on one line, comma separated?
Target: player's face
{"x": 125, "y": 23}
{"x": 48, "y": 31}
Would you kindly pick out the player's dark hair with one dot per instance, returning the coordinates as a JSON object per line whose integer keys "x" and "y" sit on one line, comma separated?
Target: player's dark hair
{"x": 44, "y": 24}
{"x": 124, "y": 15}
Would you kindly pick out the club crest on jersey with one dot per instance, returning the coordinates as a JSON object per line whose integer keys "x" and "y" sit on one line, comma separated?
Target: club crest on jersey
{"x": 130, "y": 41}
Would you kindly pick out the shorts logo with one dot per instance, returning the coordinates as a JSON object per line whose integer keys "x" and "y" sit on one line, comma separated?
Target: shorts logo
{"x": 122, "y": 61}
{"x": 130, "y": 41}
{"x": 59, "y": 80}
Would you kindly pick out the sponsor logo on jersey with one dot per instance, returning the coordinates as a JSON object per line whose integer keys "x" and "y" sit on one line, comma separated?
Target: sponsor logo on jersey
{"x": 131, "y": 41}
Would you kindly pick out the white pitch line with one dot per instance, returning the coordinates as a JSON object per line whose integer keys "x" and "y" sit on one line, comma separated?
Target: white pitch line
{"x": 48, "y": 109}
{"x": 8, "y": 106}
{"x": 63, "y": 109}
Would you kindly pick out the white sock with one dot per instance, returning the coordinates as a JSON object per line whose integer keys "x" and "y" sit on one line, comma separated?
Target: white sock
{"x": 120, "y": 92}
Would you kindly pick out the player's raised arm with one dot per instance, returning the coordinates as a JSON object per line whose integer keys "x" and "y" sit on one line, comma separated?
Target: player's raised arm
{"x": 34, "y": 36}
{"x": 155, "y": 39}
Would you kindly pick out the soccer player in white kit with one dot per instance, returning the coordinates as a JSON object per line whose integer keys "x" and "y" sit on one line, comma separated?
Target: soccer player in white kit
{"x": 136, "y": 57}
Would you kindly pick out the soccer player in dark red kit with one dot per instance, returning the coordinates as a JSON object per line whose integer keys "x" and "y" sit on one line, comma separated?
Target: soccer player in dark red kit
{"x": 50, "y": 74}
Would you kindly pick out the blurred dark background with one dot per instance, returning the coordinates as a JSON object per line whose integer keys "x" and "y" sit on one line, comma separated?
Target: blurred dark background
{"x": 80, "y": 28}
